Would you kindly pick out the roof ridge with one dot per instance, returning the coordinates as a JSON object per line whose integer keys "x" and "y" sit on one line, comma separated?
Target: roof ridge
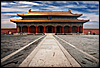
{"x": 69, "y": 11}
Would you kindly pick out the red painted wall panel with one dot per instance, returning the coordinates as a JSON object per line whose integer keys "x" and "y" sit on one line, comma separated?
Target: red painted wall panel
{"x": 7, "y": 30}
{"x": 92, "y": 31}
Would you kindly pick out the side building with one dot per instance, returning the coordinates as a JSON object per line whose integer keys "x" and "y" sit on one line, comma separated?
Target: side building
{"x": 91, "y": 31}
{"x": 49, "y": 22}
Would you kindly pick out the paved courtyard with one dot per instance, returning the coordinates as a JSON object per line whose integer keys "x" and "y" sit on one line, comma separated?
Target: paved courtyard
{"x": 11, "y": 43}
{"x": 87, "y": 43}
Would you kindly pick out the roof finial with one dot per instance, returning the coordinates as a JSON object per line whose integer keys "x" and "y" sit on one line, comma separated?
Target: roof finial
{"x": 30, "y": 10}
{"x": 69, "y": 10}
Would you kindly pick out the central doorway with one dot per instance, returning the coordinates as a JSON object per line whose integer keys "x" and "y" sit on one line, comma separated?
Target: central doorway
{"x": 59, "y": 30}
{"x": 49, "y": 29}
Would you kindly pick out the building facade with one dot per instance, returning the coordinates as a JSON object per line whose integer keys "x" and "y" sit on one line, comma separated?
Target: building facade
{"x": 49, "y": 22}
{"x": 85, "y": 30}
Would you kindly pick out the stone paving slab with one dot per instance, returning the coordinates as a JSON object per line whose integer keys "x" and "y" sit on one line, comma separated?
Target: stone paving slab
{"x": 48, "y": 54}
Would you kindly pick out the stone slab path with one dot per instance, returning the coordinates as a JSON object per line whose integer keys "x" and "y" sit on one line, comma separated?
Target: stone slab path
{"x": 49, "y": 53}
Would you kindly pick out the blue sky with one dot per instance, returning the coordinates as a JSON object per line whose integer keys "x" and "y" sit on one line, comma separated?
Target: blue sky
{"x": 89, "y": 9}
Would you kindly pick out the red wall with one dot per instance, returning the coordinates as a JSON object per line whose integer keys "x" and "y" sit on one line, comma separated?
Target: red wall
{"x": 8, "y": 29}
{"x": 92, "y": 31}
{"x": 13, "y": 30}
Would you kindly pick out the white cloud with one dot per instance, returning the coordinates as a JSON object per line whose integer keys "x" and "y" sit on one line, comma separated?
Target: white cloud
{"x": 91, "y": 16}
{"x": 12, "y": 3}
{"x": 75, "y": 6}
{"x": 77, "y": 2}
{"x": 49, "y": 2}
{"x": 90, "y": 2}
{"x": 61, "y": 1}
{"x": 24, "y": 6}
{"x": 4, "y": 3}
{"x": 54, "y": 7}
{"x": 91, "y": 25}
{"x": 6, "y": 23}
{"x": 9, "y": 14}
{"x": 93, "y": 10}
{"x": 70, "y": 6}
{"x": 4, "y": 9}
{"x": 26, "y": 2}
{"x": 14, "y": 18}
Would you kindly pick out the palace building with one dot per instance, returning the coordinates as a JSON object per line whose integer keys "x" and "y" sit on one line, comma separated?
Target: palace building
{"x": 49, "y": 22}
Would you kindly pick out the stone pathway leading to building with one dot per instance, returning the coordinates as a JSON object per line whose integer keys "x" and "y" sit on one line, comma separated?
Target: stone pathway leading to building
{"x": 49, "y": 53}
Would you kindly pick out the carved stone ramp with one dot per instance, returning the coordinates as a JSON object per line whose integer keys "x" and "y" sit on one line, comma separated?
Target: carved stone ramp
{"x": 49, "y": 53}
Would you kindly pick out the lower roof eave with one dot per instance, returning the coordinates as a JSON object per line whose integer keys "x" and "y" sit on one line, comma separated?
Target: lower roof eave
{"x": 54, "y": 20}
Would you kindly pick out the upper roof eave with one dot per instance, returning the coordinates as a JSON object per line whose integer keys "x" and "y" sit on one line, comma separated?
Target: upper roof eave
{"x": 49, "y": 14}
{"x": 53, "y": 20}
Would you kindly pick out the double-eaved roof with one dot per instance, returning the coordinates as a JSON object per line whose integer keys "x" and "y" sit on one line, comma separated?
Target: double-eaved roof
{"x": 49, "y": 13}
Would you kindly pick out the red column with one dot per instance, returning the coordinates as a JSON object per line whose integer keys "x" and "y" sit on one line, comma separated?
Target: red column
{"x": 44, "y": 29}
{"x": 21, "y": 28}
{"x": 55, "y": 29}
{"x": 70, "y": 29}
{"x": 47, "y": 30}
{"x": 36, "y": 29}
{"x": 17, "y": 28}
{"x": 52, "y": 29}
{"x": 62, "y": 29}
{"x": 78, "y": 28}
{"x": 28, "y": 29}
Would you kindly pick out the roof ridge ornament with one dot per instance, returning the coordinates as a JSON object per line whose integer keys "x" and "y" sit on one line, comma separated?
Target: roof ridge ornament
{"x": 30, "y": 10}
{"x": 69, "y": 10}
